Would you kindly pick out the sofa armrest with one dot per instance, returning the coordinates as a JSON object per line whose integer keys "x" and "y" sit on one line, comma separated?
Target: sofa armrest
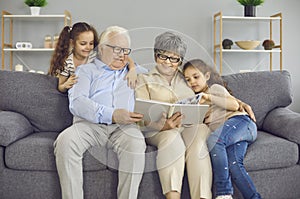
{"x": 13, "y": 126}
{"x": 283, "y": 122}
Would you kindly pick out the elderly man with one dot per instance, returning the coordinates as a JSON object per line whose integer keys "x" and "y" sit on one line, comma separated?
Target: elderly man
{"x": 102, "y": 105}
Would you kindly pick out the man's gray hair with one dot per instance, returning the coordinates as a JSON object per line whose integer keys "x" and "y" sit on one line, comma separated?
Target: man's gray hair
{"x": 113, "y": 30}
{"x": 170, "y": 42}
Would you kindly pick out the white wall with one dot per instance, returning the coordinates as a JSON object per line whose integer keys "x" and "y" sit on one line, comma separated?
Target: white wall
{"x": 145, "y": 19}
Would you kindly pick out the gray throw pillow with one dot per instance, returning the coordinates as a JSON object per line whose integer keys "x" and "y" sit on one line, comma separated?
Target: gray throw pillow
{"x": 13, "y": 126}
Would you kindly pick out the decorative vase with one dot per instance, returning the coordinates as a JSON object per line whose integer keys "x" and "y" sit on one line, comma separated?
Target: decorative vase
{"x": 249, "y": 11}
{"x": 35, "y": 10}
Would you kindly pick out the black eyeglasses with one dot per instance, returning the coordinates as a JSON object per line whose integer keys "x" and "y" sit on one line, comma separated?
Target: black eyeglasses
{"x": 171, "y": 59}
{"x": 117, "y": 49}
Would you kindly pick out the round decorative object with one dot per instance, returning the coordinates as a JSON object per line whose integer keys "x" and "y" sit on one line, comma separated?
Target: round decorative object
{"x": 247, "y": 44}
{"x": 227, "y": 43}
{"x": 268, "y": 44}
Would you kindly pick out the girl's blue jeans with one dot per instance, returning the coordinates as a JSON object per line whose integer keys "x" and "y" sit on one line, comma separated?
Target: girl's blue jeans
{"x": 227, "y": 147}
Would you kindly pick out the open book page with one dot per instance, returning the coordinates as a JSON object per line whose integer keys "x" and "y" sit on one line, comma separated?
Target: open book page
{"x": 191, "y": 100}
{"x": 153, "y": 111}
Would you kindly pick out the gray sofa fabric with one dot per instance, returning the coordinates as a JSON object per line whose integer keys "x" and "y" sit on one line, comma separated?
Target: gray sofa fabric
{"x": 264, "y": 91}
{"x": 10, "y": 130}
{"x": 34, "y": 113}
{"x": 35, "y": 96}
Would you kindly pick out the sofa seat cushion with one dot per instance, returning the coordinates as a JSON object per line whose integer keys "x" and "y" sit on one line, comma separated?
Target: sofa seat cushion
{"x": 267, "y": 152}
{"x": 270, "y": 152}
{"x": 13, "y": 126}
{"x": 36, "y": 152}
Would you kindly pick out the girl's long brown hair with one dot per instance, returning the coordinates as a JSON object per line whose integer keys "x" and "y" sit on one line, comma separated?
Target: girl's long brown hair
{"x": 61, "y": 51}
{"x": 215, "y": 77}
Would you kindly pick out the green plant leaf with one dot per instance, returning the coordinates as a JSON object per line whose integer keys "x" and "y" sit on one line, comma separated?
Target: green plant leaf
{"x": 38, "y": 3}
{"x": 250, "y": 2}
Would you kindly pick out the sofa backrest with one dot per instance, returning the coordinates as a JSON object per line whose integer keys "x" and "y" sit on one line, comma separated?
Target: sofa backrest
{"x": 262, "y": 90}
{"x": 36, "y": 97}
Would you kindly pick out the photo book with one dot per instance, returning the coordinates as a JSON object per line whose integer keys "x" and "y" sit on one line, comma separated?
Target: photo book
{"x": 153, "y": 110}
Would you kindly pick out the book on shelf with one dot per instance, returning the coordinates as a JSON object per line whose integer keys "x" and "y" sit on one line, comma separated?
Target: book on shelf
{"x": 193, "y": 113}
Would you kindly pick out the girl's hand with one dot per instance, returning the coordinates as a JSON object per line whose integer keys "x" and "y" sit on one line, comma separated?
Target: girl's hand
{"x": 131, "y": 78}
{"x": 70, "y": 81}
{"x": 243, "y": 107}
{"x": 205, "y": 97}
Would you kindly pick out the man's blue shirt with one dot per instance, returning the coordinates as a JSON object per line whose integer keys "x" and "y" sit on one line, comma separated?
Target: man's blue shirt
{"x": 99, "y": 91}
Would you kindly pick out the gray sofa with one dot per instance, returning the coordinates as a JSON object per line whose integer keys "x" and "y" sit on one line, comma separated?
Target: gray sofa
{"x": 34, "y": 113}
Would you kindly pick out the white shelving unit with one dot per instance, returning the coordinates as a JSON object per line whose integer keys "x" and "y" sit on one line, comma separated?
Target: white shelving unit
{"x": 7, "y": 20}
{"x": 219, "y": 19}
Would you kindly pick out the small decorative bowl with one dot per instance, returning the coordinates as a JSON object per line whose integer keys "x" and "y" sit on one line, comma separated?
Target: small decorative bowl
{"x": 248, "y": 44}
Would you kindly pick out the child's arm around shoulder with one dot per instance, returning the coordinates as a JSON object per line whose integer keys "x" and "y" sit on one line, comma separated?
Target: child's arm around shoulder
{"x": 131, "y": 76}
{"x": 65, "y": 83}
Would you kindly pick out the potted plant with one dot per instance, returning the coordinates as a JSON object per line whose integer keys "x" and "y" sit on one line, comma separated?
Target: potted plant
{"x": 35, "y": 5}
{"x": 268, "y": 44}
{"x": 250, "y": 6}
{"x": 227, "y": 43}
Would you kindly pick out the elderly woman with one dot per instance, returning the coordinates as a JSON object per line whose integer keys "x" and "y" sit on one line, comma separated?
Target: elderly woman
{"x": 179, "y": 146}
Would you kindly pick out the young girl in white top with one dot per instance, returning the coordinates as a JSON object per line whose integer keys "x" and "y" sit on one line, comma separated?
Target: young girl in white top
{"x": 76, "y": 46}
{"x": 232, "y": 130}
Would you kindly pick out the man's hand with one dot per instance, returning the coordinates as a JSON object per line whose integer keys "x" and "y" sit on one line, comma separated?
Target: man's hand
{"x": 122, "y": 116}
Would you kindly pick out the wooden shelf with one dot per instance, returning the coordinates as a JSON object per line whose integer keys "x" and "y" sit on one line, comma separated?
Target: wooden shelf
{"x": 217, "y": 46}
{"x": 249, "y": 18}
{"x": 8, "y": 19}
{"x": 28, "y": 50}
{"x": 249, "y": 51}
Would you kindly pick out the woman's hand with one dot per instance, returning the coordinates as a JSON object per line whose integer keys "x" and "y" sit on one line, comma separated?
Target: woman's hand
{"x": 173, "y": 122}
{"x": 166, "y": 124}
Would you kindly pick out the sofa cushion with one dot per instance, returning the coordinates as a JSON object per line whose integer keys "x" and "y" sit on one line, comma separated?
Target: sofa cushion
{"x": 262, "y": 90}
{"x": 270, "y": 152}
{"x": 13, "y": 126}
{"x": 285, "y": 123}
{"x": 36, "y": 153}
{"x": 36, "y": 97}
